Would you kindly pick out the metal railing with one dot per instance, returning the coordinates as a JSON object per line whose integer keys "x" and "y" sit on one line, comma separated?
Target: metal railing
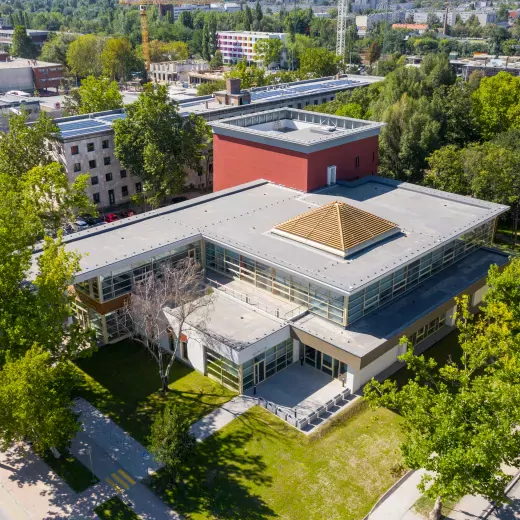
{"x": 253, "y": 300}
{"x": 290, "y": 415}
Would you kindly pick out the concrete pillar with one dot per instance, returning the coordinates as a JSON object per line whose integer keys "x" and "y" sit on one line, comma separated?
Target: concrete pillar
{"x": 450, "y": 316}
{"x": 352, "y": 379}
{"x": 296, "y": 350}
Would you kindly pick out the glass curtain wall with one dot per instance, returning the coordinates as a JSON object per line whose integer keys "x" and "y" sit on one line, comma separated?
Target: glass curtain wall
{"x": 223, "y": 370}
{"x": 318, "y": 300}
{"x": 267, "y": 364}
{"x": 427, "y": 330}
{"x": 411, "y": 275}
{"x": 121, "y": 281}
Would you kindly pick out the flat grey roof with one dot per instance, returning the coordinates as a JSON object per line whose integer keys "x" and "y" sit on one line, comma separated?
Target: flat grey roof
{"x": 372, "y": 331}
{"x": 297, "y": 130}
{"x": 233, "y": 323}
{"x": 242, "y": 218}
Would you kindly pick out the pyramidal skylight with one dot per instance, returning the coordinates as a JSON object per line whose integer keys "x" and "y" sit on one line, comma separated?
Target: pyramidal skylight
{"x": 337, "y": 228}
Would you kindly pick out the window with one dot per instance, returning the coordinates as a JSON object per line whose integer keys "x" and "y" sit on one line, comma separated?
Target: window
{"x": 92, "y": 164}
{"x": 74, "y": 150}
{"x": 357, "y": 161}
{"x": 315, "y": 101}
{"x": 138, "y": 187}
{"x": 124, "y": 191}
{"x": 94, "y": 180}
{"x": 104, "y": 144}
{"x": 106, "y": 161}
{"x": 108, "y": 177}
{"x": 77, "y": 167}
{"x": 96, "y": 198}
{"x": 123, "y": 174}
{"x": 299, "y": 106}
{"x": 90, "y": 147}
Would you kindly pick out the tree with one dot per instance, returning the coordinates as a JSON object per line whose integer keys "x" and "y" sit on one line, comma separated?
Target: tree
{"x": 249, "y": 75}
{"x": 168, "y": 51}
{"x": 55, "y": 48}
{"x": 55, "y": 200}
{"x": 269, "y": 50}
{"x": 157, "y": 144}
{"x": 23, "y": 46}
{"x": 171, "y": 441}
{"x": 496, "y": 104}
{"x": 84, "y": 55}
{"x": 35, "y": 401}
{"x": 374, "y": 52}
{"x": 206, "y": 89}
{"x": 209, "y": 36}
{"x": 180, "y": 286}
{"x": 117, "y": 59}
{"x": 186, "y": 19}
{"x": 461, "y": 418}
{"x": 94, "y": 95}
{"x": 318, "y": 62}
{"x": 217, "y": 61}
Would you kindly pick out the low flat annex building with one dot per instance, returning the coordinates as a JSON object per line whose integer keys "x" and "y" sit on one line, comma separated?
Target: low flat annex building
{"x": 329, "y": 279}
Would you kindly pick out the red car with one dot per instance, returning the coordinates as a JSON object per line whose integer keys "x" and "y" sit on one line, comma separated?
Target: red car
{"x": 111, "y": 217}
{"x": 127, "y": 213}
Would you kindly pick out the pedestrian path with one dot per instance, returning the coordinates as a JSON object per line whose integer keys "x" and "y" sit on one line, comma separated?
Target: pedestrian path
{"x": 120, "y": 481}
{"x": 129, "y": 453}
{"x": 222, "y": 416}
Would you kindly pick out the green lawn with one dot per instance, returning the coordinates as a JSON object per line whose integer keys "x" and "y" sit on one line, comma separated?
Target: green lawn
{"x": 72, "y": 471}
{"x": 258, "y": 467}
{"x": 115, "y": 509}
{"x": 123, "y": 381}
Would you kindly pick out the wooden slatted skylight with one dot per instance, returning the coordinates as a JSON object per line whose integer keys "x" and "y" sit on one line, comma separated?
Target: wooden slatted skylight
{"x": 337, "y": 227}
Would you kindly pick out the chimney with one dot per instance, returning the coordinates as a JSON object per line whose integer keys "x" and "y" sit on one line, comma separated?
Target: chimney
{"x": 232, "y": 86}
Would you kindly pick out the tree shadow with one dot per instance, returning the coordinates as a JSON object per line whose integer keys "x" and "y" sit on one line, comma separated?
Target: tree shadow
{"x": 216, "y": 481}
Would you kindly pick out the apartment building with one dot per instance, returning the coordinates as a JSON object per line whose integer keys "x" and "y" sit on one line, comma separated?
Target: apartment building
{"x": 237, "y": 45}
{"x": 86, "y": 145}
{"x": 172, "y": 71}
{"x": 38, "y": 37}
{"x": 366, "y": 22}
{"x": 484, "y": 17}
{"x": 312, "y": 288}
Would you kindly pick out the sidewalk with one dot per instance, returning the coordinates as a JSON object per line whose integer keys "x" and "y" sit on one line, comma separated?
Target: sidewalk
{"x": 222, "y": 416}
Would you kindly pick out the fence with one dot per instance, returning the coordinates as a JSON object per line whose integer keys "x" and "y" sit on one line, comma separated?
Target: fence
{"x": 290, "y": 415}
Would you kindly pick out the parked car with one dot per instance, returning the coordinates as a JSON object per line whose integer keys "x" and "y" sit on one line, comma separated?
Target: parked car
{"x": 80, "y": 224}
{"x": 127, "y": 213}
{"x": 176, "y": 200}
{"x": 68, "y": 229}
{"x": 92, "y": 221}
{"x": 111, "y": 217}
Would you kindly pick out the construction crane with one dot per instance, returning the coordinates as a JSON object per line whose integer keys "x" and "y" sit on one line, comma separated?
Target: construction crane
{"x": 144, "y": 22}
{"x": 342, "y": 27}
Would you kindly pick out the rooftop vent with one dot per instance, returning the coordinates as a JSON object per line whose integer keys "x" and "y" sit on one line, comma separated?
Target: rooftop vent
{"x": 337, "y": 228}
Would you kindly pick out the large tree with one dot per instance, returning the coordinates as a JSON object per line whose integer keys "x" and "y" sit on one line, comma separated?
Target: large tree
{"x": 461, "y": 418}
{"x": 84, "y": 55}
{"x": 318, "y": 62}
{"x": 179, "y": 287}
{"x": 23, "y": 46}
{"x": 157, "y": 144}
{"x": 117, "y": 59}
{"x": 269, "y": 50}
{"x": 55, "y": 48}
{"x": 93, "y": 95}
{"x": 209, "y": 36}
{"x": 35, "y": 401}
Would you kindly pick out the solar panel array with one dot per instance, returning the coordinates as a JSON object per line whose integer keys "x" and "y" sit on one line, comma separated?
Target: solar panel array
{"x": 87, "y": 126}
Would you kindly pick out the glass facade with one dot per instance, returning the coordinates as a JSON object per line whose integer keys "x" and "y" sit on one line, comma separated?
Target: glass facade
{"x": 223, "y": 370}
{"x": 409, "y": 276}
{"x": 325, "y": 363}
{"x": 108, "y": 328}
{"x": 120, "y": 281}
{"x": 267, "y": 363}
{"x": 427, "y": 330}
{"x": 318, "y": 300}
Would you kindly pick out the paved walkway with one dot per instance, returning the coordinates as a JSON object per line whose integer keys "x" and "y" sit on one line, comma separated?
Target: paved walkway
{"x": 222, "y": 416}
{"x": 121, "y": 482}
{"x": 30, "y": 490}
{"x": 131, "y": 455}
